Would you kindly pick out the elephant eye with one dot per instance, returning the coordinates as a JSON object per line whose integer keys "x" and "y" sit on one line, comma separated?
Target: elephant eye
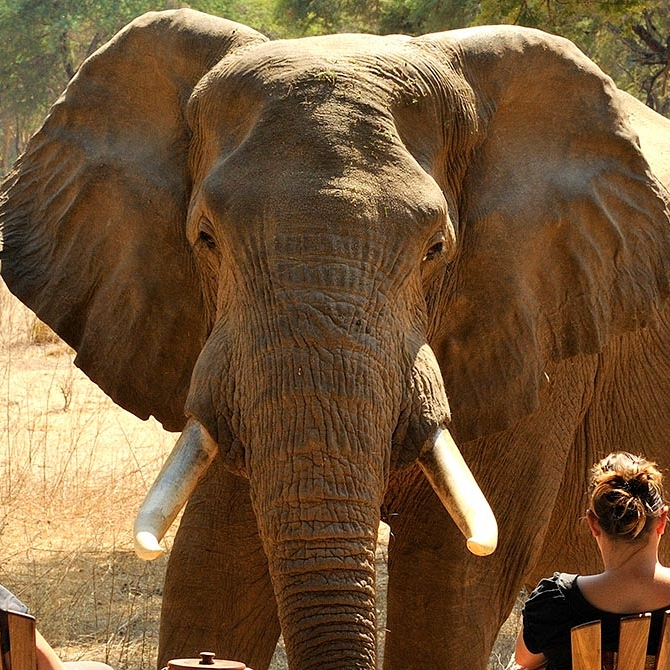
{"x": 434, "y": 251}
{"x": 205, "y": 237}
{"x": 205, "y": 234}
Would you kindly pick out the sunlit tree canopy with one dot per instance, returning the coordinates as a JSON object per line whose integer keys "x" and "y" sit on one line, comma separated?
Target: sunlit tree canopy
{"x": 43, "y": 42}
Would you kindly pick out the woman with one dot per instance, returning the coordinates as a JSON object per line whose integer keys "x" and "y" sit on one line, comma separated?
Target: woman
{"x": 627, "y": 515}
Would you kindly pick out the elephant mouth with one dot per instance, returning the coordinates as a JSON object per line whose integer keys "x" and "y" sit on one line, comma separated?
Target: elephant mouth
{"x": 441, "y": 462}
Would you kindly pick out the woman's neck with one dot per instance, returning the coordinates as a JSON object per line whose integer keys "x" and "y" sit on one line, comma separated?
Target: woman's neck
{"x": 623, "y": 560}
{"x": 633, "y": 580}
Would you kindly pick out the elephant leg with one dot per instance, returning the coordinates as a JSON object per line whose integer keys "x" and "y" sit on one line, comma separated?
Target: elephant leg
{"x": 218, "y": 595}
{"x": 446, "y": 606}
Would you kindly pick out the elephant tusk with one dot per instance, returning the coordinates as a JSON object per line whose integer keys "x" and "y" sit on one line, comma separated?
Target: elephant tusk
{"x": 454, "y": 484}
{"x": 191, "y": 456}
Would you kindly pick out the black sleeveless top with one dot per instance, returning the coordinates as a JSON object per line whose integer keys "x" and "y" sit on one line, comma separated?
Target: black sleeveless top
{"x": 557, "y": 605}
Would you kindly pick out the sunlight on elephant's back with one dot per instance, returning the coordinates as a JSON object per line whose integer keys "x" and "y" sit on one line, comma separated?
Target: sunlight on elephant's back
{"x": 650, "y": 127}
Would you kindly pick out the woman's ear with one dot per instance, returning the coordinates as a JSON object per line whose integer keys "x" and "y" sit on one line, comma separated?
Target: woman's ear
{"x": 594, "y": 524}
{"x": 662, "y": 521}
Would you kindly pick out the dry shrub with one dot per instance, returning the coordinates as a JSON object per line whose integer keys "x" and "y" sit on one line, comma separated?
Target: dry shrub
{"x": 40, "y": 333}
{"x": 73, "y": 470}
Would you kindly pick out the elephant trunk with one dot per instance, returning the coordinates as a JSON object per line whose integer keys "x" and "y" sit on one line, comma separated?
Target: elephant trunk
{"x": 318, "y": 454}
{"x": 324, "y": 578}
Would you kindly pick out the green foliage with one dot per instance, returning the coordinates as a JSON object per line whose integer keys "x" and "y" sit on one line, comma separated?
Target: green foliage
{"x": 43, "y": 42}
{"x": 644, "y": 66}
{"x": 581, "y": 21}
{"x": 317, "y": 17}
{"x": 257, "y": 14}
{"x": 416, "y": 17}
{"x": 410, "y": 17}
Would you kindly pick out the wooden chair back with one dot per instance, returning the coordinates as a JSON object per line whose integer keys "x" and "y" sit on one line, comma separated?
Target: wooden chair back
{"x": 17, "y": 633}
{"x": 632, "y": 655}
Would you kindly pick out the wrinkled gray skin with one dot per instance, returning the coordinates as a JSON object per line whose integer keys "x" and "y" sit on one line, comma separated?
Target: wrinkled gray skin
{"x": 266, "y": 233}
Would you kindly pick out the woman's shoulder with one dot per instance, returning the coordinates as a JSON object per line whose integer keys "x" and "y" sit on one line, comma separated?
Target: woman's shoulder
{"x": 551, "y": 596}
{"x": 548, "y": 613}
{"x": 662, "y": 578}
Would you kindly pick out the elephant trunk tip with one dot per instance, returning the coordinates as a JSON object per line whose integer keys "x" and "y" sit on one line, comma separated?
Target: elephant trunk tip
{"x": 147, "y": 546}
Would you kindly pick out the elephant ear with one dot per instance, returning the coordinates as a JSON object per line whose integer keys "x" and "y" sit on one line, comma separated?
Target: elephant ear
{"x": 93, "y": 214}
{"x": 564, "y": 230}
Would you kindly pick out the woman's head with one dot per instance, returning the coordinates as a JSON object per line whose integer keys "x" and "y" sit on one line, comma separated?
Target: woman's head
{"x": 626, "y": 495}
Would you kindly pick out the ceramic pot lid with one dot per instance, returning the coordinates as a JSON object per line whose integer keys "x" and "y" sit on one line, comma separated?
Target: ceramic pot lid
{"x": 205, "y": 662}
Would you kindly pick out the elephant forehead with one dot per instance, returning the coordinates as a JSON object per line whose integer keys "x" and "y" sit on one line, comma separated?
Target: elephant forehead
{"x": 287, "y": 127}
{"x": 291, "y": 167}
{"x": 357, "y": 66}
{"x": 343, "y": 99}
{"x": 287, "y": 59}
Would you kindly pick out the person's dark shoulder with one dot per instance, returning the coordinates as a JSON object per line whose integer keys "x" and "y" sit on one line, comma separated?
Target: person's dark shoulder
{"x": 557, "y": 588}
{"x": 547, "y": 613}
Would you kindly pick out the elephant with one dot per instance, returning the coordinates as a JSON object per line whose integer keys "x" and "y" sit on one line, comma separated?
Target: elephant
{"x": 327, "y": 261}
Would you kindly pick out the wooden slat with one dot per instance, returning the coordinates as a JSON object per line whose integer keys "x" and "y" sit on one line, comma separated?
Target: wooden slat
{"x": 633, "y": 638}
{"x": 4, "y": 653}
{"x": 663, "y": 657}
{"x": 586, "y": 646}
{"x": 22, "y": 641}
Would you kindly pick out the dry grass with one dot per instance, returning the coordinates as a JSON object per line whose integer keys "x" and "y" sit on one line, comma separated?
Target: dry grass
{"x": 73, "y": 470}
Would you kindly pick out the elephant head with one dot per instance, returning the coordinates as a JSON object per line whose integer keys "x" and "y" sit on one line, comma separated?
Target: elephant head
{"x": 294, "y": 250}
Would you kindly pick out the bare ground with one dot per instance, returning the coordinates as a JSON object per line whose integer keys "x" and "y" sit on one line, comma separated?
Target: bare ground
{"x": 73, "y": 470}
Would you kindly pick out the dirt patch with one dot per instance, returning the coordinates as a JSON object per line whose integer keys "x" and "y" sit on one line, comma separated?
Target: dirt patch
{"x": 74, "y": 468}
